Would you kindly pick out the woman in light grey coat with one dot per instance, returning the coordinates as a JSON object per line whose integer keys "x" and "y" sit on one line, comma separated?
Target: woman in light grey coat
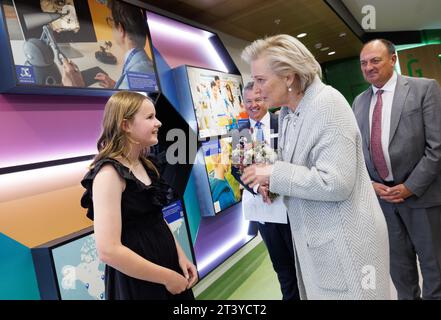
{"x": 339, "y": 231}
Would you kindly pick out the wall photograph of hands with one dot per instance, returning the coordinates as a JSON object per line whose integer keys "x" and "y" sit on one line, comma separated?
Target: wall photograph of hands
{"x": 80, "y": 43}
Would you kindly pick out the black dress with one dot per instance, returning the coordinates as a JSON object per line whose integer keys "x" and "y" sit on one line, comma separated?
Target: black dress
{"x": 143, "y": 230}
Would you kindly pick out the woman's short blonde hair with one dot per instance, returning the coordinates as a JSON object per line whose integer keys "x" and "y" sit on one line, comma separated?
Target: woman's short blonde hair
{"x": 286, "y": 55}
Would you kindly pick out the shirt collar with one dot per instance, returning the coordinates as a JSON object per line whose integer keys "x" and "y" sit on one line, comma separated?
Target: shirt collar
{"x": 388, "y": 86}
{"x": 265, "y": 121}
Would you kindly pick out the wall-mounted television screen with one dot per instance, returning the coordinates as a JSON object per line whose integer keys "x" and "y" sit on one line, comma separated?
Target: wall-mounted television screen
{"x": 69, "y": 268}
{"x": 224, "y": 188}
{"x": 80, "y": 273}
{"x": 217, "y": 100}
{"x": 103, "y": 45}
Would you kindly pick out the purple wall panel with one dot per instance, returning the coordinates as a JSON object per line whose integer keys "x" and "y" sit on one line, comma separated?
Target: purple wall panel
{"x": 222, "y": 234}
{"x": 179, "y": 43}
{"x": 41, "y": 128}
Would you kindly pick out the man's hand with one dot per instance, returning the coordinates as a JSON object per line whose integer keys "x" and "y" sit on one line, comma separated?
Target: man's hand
{"x": 396, "y": 194}
{"x": 380, "y": 189}
{"x": 399, "y": 191}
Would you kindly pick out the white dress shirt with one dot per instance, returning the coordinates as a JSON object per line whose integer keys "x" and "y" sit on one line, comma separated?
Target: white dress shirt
{"x": 386, "y": 112}
{"x": 266, "y": 127}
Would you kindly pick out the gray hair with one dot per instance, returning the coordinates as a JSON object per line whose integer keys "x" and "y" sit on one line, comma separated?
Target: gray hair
{"x": 248, "y": 87}
{"x": 286, "y": 55}
{"x": 388, "y": 44}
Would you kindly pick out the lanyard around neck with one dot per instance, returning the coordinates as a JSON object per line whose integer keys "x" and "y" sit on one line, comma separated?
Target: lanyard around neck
{"x": 129, "y": 58}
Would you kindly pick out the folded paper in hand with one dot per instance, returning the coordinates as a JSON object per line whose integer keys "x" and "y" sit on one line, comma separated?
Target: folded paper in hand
{"x": 254, "y": 209}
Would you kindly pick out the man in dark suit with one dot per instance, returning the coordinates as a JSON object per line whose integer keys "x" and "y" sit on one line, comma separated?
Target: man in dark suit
{"x": 400, "y": 121}
{"x": 276, "y": 234}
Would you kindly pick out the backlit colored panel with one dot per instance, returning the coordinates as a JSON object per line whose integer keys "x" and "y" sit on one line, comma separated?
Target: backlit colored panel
{"x": 41, "y": 128}
{"x": 44, "y": 217}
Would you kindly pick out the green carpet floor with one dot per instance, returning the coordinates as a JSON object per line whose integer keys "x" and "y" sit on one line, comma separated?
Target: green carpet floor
{"x": 251, "y": 278}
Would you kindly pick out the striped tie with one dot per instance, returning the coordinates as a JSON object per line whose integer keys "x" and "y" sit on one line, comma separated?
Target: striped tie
{"x": 259, "y": 132}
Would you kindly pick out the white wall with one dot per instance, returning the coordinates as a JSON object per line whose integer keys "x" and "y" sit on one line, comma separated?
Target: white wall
{"x": 235, "y": 46}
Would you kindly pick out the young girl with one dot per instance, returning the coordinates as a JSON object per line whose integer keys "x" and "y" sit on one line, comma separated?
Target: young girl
{"x": 124, "y": 196}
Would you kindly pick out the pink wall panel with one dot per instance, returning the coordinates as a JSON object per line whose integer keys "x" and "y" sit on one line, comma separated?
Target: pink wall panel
{"x": 41, "y": 128}
{"x": 181, "y": 44}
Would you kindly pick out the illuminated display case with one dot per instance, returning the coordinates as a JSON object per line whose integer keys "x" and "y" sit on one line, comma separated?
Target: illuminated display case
{"x": 218, "y": 228}
{"x": 212, "y": 103}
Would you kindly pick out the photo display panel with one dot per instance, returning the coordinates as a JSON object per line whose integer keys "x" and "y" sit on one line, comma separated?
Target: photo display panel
{"x": 104, "y": 45}
{"x": 224, "y": 188}
{"x": 217, "y": 101}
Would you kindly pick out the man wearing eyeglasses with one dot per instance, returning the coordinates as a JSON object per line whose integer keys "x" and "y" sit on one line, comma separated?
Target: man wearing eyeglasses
{"x": 275, "y": 231}
{"x": 129, "y": 30}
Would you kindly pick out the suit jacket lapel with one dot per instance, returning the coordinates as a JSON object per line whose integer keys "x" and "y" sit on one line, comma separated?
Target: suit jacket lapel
{"x": 401, "y": 91}
{"x": 274, "y": 129}
{"x": 365, "y": 103}
{"x": 274, "y": 122}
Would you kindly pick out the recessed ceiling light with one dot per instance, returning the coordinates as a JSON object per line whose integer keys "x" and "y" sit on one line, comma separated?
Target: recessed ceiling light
{"x": 324, "y": 49}
{"x": 318, "y": 45}
{"x": 331, "y": 53}
{"x": 301, "y": 35}
{"x": 342, "y": 34}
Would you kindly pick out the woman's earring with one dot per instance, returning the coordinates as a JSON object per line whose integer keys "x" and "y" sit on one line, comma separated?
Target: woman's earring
{"x": 289, "y": 89}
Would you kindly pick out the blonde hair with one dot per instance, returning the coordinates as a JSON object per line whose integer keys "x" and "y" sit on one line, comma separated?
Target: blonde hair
{"x": 285, "y": 55}
{"x": 114, "y": 142}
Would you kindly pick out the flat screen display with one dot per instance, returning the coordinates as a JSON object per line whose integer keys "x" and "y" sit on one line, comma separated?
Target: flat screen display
{"x": 224, "y": 188}
{"x": 217, "y": 101}
{"x": 79, "y": 272}
{"x": 80, "y": 43}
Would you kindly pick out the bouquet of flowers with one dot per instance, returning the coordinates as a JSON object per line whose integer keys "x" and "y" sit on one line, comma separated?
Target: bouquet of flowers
{"x": 249, "y": 153}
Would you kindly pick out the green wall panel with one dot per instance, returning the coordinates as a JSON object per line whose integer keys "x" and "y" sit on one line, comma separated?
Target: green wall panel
{"x": 17, "y": 276}
{"x": 345, "y": 76}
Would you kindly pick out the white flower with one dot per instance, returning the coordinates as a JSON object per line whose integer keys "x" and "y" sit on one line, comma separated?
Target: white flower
{"x": 260, "y": 158}
{"x": 236, "y": 153}
{"x": 248, "y": 157}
